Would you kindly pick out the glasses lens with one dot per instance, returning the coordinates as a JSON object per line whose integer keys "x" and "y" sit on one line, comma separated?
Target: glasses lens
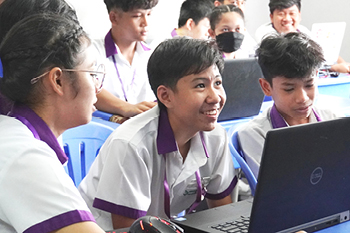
{"x": 100, "y": 75}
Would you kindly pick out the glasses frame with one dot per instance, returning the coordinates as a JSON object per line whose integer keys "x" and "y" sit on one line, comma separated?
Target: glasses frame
{"x": 99, "y": 87}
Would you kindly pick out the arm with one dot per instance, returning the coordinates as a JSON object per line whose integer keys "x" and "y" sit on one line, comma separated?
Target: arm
{"x": 86, "y": 227}
{"x": 215, "y": 203}
{"x": 107, "y": 102}
{"x": 120, "y": 221}
{"x": 341, "y": 67}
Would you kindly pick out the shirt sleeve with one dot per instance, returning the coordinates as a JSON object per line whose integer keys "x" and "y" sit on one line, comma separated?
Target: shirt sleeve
{"x": 251, "y": 140}
{"x": 36, "y": 193}
{"x": 121, "y": 190}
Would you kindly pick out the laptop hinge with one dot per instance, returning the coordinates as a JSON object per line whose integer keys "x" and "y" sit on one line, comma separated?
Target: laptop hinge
{"x": 320, "y": 223}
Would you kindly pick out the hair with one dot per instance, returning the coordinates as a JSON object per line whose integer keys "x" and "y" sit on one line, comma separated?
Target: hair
{"x": 196, "y": 10}
{"x": 176, "y": 58}
{"x": 129, "y": 5}
{"x": 283, "y": 4}
{"x": 32, "y": 47}
{"x": 218, "y": 11}
{"x": 293, "y": 55}
{"x": 12, "y": 11}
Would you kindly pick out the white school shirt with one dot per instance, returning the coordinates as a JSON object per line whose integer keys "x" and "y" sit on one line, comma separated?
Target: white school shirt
{"x": 36, "y": 194}
{"x": 251, "y": 136}
{"x": 127, "y": 177}
{"x": 268, "y": 29}
{"x": 132, "y": 83}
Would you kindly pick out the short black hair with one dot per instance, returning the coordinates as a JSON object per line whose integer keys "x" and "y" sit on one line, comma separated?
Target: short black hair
{"x": 293, "y": 55}
{"x": 176, "y": 58}
{"x": 129, "y": 5}
{"x": 196, "y": 10}
{"x": 216, "y": 15}
{"x": 283, "y": 4}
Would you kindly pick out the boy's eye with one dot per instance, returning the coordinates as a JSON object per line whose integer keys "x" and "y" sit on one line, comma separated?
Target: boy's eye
{"x": 218, "y": 83}
{"x": 288, "y": 89}
{"x": 201, "y": 85}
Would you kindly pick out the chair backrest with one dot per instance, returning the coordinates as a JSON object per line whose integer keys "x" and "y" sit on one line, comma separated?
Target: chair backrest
{"x": 237, "y": 153}
{"x": 81, "y": 145}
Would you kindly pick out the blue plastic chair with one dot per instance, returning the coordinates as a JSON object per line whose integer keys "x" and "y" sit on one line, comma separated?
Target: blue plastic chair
{"x": 81, "y": 145}
{"x": 237, "y": 153}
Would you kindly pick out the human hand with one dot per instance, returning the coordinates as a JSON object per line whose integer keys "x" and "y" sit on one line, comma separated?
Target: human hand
{"x": 343, "y": 67}
{"x": 134, "y": 109}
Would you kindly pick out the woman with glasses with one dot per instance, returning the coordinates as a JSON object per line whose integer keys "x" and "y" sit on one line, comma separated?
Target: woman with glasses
{"x": 51, "y": 76}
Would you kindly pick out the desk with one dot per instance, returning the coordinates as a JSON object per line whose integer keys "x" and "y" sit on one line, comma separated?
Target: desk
{"x": 339, "y": 86}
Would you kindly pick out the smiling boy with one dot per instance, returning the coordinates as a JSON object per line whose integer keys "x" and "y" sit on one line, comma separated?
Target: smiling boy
{"x": 167, "y": 159}
{"x": 289, "y": 64}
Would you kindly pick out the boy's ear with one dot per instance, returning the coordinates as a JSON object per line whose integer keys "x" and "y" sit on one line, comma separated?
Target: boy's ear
{"x": 271, "y": 17}
{"x": 164, "y": 95}
{"x": 217, "y": 3}
{"x": 113, "y": 17}
{"x": 190, "y": 24}
{"x": 265, "y": 86}
{"x": 211, "y": 33}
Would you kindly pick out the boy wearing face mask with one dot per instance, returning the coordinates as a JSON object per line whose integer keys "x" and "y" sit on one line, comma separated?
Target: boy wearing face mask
{"x": 227, "y": 28}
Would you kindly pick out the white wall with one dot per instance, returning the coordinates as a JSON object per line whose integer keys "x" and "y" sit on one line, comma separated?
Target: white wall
{"x": 94, "y": 18}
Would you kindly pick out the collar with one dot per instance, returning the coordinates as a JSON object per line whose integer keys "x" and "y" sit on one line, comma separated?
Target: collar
{"x": 174, "y": 33}
{"x": 165, "y": 139}
{"x": 278, "y": 121}
{"x": 111, "y": 47}
{"x": 39, "y": 128}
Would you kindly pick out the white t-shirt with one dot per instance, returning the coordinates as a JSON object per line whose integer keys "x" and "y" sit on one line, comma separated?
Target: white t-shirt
{"x": 127, "y": 177}
{"x": 251, "y": 136}
{"x": 125, "y": 81}
{"x": 36, "y": 194}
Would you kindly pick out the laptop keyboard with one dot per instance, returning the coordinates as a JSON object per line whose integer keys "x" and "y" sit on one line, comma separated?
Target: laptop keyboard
{"x": 240, "y": 225}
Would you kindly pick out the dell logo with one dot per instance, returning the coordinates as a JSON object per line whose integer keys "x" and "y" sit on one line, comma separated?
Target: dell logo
{"x": 316, "y": 176}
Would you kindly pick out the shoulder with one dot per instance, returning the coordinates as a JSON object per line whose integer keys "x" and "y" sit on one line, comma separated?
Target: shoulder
{"x": 137, "y": 128}
{"x": 326, "y": 114}
{"x": 263, "y": 30}
{"x": 258, "y": 125}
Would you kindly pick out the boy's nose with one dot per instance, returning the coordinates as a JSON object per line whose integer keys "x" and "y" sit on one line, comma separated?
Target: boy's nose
{"x": 302, "y": 96}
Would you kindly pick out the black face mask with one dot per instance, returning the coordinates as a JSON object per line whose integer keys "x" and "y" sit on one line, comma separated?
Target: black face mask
{"x": 229, "y": 42}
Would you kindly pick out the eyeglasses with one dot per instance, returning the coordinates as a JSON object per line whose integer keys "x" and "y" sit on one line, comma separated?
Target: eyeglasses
{"x": 98, "y": 76}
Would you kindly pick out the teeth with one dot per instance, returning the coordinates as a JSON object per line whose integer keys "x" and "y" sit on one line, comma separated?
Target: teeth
{"x": 212, "y": 112}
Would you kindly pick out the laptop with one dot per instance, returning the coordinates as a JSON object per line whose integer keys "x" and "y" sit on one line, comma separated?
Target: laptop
{"x": 330, "y": 37}
{"x": 244, "y": 95}
{"x": 303, "y": 184}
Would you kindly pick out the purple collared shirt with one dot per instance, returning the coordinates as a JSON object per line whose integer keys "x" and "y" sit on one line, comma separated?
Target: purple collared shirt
{"x": 39, "y": 128}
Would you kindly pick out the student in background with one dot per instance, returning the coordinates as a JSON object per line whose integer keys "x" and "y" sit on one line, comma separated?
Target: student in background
{"x": 52, "y": 78}
{"x": 126, "y": 90}
{"x": 12, "y": 11}
{"x": 167, "y": 159}
{"x": 193, "y": 21}
{"x": 238, "y": 3}
{"x": 290, "y": 65}
{"x": 285, "y": 17}
{"x": 227, "y": 28}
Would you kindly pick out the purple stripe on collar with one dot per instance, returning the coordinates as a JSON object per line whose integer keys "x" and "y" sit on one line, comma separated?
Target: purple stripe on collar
{"x": 61, "y": 221}
{"x": 165, "y": 139}
{"x": 118, "y": 209}
{"x": 110, "y": 47}
{"x": 277, "y": 120}
{"x": 145, "y": 46}
{"x": 174, "y": 33}
{"x": 225, "y": 193}
{"x": 39, "y": 128}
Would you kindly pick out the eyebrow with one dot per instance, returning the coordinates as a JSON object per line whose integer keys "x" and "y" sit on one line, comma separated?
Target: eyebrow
{"x": 206, "y": 78}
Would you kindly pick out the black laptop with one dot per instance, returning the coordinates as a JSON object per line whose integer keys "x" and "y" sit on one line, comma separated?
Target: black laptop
{"x": 303, "y": 184}
{"x": 241, "y": 82}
